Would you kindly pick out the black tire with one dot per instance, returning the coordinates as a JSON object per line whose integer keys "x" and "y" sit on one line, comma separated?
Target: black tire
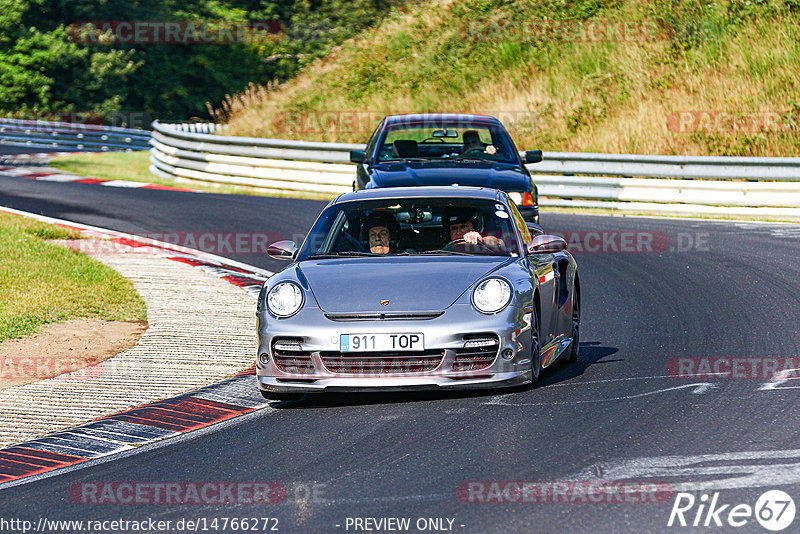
{"x": 272, "y": 395}
{"x": 572, "y": 354}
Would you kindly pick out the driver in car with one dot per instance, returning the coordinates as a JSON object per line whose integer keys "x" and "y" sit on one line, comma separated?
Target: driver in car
{"x": 473, "y": 144}
{"x": 461, "y": 223}
{"x": 381, "y": 231}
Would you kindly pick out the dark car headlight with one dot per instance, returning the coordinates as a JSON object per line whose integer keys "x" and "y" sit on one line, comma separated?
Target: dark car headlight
{"x": 491, "y": 295}
{"x": 285, "y": 299}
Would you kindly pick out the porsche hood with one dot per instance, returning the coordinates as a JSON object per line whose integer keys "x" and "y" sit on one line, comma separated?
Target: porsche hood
{"x": 409, "y": 284}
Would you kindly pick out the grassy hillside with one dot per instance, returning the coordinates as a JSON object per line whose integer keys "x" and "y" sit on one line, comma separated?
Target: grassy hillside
{"x": 630, "y": 76}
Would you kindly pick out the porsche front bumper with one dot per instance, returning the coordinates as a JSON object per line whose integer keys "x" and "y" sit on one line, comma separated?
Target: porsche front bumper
{"x": 463, "y": 349}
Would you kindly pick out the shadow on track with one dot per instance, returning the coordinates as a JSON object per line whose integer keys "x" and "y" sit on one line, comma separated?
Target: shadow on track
{"x": 590, "y": 353}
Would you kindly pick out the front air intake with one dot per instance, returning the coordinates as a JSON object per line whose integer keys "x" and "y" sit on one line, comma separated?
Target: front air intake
{"x": 479, "y": 352}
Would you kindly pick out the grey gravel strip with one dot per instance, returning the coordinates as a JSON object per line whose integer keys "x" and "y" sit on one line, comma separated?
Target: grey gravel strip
{"x": 201, "y": 329}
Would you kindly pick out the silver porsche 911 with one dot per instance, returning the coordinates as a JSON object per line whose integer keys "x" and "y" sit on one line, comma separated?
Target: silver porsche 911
{"x": 417, "y": 288}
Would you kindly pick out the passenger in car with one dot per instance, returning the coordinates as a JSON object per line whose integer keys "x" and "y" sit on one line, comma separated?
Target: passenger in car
{"x": 380, "y": 231}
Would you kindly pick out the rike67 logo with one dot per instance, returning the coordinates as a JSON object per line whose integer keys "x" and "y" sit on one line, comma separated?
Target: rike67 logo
{"x": 774, "y": 510}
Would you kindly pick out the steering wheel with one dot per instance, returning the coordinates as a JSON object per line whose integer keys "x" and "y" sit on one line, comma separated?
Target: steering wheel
{"x": 475, "y": 150}
{"x": 463, "y": 241}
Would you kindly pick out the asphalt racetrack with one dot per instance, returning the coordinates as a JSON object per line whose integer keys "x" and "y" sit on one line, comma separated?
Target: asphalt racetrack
{"x": 666, "y": 303}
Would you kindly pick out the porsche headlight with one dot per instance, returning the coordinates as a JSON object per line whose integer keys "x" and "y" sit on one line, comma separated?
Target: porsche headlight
{"x": 491, "y": 295}
{"x": 516, "y": 197}
{"x": 285, "y": 299}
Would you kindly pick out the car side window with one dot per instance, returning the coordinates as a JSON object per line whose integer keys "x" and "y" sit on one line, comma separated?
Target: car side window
{"x": 520, "y": 222}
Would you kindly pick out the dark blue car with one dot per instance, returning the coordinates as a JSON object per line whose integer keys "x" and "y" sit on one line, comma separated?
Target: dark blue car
{"x": 447, "y": 149}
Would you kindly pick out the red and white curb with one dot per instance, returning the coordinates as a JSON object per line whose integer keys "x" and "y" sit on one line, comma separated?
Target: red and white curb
{"x": 37, "y": 155}
{"x": 47, "y": 174}
{"x": 129, "y": 429}
{"x": 126, "y": 430}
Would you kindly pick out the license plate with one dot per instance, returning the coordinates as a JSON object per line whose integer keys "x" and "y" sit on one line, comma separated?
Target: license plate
{"x": 380, "y": 342}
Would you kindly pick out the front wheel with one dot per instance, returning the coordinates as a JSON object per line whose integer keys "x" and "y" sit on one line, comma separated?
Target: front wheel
{"x": 536, "y": 355}
{"x": 572, "y": 355}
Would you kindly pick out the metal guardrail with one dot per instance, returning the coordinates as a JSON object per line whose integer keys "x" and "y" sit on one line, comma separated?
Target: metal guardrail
{"x": 686, "y": 167}
{"x": 272, "y": 164}
{"x": 71, "y": 136}
{"x": 696, "y": 185}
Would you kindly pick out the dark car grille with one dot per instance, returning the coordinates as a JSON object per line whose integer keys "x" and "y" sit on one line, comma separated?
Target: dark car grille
{"x": 383, "y": 363}
{"x": 343, "y": 317}
{"x": 479, "y": 356}
{"x": 300, "y": 365}
{"x": 291, "y": 360}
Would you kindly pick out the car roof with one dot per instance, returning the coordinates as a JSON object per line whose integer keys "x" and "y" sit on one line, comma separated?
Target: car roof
{"x": 437, "y": 118}
{"x": 420, "y": 192}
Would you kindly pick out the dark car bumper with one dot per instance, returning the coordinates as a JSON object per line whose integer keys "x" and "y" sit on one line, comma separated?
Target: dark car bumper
{"x": 529, "y": 213}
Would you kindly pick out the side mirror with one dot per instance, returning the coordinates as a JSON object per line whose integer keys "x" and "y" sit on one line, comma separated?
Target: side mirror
{"x": 358, "y": 156}
{"x": 534, "y": 229}
{"x": 532, "y": 156}
{"x": 546, "y": 244}
{"x": 282, "y": 250}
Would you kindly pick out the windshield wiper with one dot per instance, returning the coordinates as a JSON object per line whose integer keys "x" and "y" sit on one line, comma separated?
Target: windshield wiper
{"x": 343, "y": 254}
{"x": 479, "y": 160}
{"x": 431, "y": 252}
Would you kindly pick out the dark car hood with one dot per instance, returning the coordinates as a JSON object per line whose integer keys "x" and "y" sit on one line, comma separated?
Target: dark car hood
{"x": 410, "y": 284}
{"x": 504, "y": 176}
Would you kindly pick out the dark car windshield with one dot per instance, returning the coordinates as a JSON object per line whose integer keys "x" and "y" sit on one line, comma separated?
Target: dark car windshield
{"x": 415, "y": 226}
{"x": 489, "y": 142}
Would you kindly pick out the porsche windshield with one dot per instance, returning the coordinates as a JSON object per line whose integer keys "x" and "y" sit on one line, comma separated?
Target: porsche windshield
{"x": 415, "y": 226}
{"x": 447, "y": 141}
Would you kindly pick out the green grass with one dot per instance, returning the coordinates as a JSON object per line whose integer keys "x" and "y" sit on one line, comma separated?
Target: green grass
{"x": 727, "y": 56}
{"x": 134, "y": 166}
{"x": 108, "y": 166}
{"x": 42, "y": 283}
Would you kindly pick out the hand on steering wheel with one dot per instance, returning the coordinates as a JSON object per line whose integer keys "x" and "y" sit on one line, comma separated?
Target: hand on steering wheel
{"x": 463, "y": 241}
